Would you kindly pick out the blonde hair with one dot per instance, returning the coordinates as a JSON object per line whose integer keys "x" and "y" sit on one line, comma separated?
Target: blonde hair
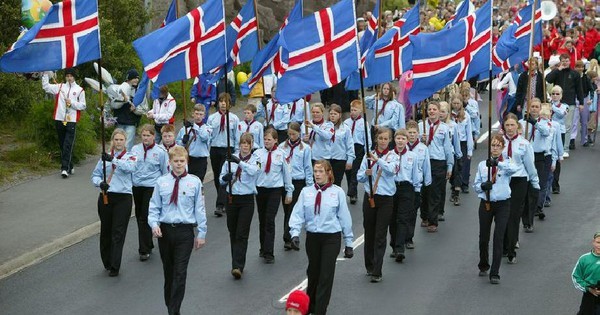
{"x": 149, "y": 128}
{"x": 445, "y": 106}
{"x": 178, "y": 151}
{"x": 318, "y": 105}
{"x": 117, "y": 131}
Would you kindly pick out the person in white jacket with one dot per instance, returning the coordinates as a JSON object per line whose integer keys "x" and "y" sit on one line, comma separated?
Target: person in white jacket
{"x": 163, "y": 111}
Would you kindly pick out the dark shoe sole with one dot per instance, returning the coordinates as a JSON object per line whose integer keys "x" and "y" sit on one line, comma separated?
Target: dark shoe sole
{"x": 400, "y": 258}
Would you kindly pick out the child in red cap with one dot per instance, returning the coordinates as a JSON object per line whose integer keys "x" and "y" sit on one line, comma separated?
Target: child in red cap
{"x": 297, "y": 303}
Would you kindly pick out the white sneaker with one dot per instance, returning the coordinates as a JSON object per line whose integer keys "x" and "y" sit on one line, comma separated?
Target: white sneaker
{"x": 566, "y": 155}
{"x": 64, "y": 174}
{"x": 72, "y": 171}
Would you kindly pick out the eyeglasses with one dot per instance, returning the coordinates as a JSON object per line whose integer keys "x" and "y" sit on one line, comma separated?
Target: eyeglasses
{"x": 555, "y": 93}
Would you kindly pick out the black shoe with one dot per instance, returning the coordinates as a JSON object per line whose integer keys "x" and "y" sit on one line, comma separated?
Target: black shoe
{"x": 572, "y": 144}
{"x": 482, "y": 273}
{"x": 376, "y": 279}
{"x": 287, "y": 245}
{"x": 144, "y": 257}
{"x": 541, "y": 215}
{"x": 236, "y": 273}
{"x": 261, "y": 254}
{"x": 556, "y": 191}
{"x": 219, "y": 212}
{"x": 113, "y": 273}
{"x": 465, "y": 189}
{"x": 512, "y": 260}
{"x": 64, "y": 174}
{"x": 494, "y": 279}
{"x": 353, "y": 200}
{"x": 269, "y": 259}
{"x": 528, "y": 229}
{"x": 369, "y": 273}
{"x": 409, "y": 245}
{"x": 586, "y": 144}
{"x": 400, "y": 257}
{"x": 456, "y": 201}
{"x": 393, "y": 254}
{"x": 547, "y": 204}
{"x": 441, "y": 217}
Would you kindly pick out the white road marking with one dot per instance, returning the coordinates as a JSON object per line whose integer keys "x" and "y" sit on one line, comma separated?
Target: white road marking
{"x": 302, "y": 286}
{"x": 485, "y": 135}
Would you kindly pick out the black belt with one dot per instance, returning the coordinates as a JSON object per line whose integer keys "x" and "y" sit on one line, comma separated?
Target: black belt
{"x": 403, "y": 183}
{"x": 176, "y": 225}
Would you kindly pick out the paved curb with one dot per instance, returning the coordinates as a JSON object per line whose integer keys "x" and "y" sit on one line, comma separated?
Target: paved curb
{"x": 44, "y": 252}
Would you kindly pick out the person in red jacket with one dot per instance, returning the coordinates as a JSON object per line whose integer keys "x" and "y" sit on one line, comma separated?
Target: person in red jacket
{"x": 592, "y": 37}
{"x": 569, "y": 49}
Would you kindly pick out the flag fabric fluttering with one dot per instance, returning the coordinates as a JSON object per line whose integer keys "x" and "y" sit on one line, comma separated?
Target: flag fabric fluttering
{"x": 140, "y": 94}
{"x": 187, "y": 47}
{"x": 463, "y": 10}
{"x": 391, "y": 55}
{"x": 451, "y": 55}
{"x": 67, "y": 36}
{"x": 322, "y": 51}
{"x": 269, "y": 59}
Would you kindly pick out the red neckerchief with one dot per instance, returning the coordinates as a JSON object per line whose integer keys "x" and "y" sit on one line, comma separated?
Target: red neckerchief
{"x": 412, "y": 146}
{"x": 112, "y": 153}
{"x": 318, "y": 198}
{"x": 333, "y": 137}
{"x": 495, "y": 169}
{"x": 532, "y": 137}
{"x": 273, "y": 107}
{"x": 432, "y": 131}
{"x": 354, "y": 123}
{"x": 400, "y": 153}
{"x": 292, "y": 146}
{"x": 293, "y": 111}
{"x": 222, "y": 126}
{"x": 147, "y": 148}
{"x": 382, "y": 111}
{"x": 175, "y": 192}
{"x": 249, "y": 124}
{"x": 316, "y": 123}
{"x": 268, "y": 168}
{"x": 238, "y": 172}
{"x": 379, "y": 154}
{"x": 510, "y": 140}
{"x": 170, "y": 146}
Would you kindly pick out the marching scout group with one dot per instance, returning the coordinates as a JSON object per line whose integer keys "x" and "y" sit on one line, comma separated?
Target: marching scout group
{"x": 299, "y": 160}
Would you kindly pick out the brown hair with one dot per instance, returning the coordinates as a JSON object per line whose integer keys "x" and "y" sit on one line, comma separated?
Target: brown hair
{"x": 250, "y": 107}
{"x": 272, "y": 132}
{"x": 248, "y": 138}
{"x": 178, "y": 151}
{"x": 328, "y": 170}
{"x": 225, "y": 98}
{"x": 149, "y": 128}
{"x": 434, "y": 103}
{"x": 392, "y": 90}
{"x": 356, "y": 104}
{"x": 498, "y": 137}
{"x": 401, "y": 132}
{"x": 168, "y": 128}
{"x": 460, "y": 116}
{"x": 511, "y": 116}
{"x": 294, "y": 126}
{"x": 338, "y": 109}
{"x": 411, "y": 124}
{"x": 199, "y": 108}
{"x": 381, "y": 130}
{"x": 164, "y": 89}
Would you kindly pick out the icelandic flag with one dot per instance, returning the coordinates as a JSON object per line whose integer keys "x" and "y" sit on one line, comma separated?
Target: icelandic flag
{"x": 67, "y": 36}
{"x": 451, "y": 55}
{"x": 269, "y": 59}
{"x": 519, "y": 38}
{"x": 140, "y": 94}
{"x": 464, "y": 8}
{"x": 322, "y": 51}
{"x": 242, "y": 39}
{"x": 192, "y": 44}
{"x": 391, "y": 55}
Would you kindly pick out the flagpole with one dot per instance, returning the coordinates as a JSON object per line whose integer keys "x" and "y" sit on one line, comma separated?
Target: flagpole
{"x": 535, "y": 2}
{"x": 258, "y": 37}
{"x": 183, "y": 85}
{"x": 489, "y": 150}
{"x": 104, "y": 195}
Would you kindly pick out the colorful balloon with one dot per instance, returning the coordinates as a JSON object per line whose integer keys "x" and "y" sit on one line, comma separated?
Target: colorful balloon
{"x": 241, "y": 77}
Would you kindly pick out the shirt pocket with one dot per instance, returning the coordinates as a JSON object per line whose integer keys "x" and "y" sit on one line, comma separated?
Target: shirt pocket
{"x": 187, "y": 196}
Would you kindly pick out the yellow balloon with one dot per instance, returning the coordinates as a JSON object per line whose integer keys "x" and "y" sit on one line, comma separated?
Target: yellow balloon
{"x": 241, "y": 77}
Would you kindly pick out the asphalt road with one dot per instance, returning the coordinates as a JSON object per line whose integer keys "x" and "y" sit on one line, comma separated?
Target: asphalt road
{"x": 438, "y": 276}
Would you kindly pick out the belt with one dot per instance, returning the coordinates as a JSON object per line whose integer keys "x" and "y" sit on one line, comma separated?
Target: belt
{"x": 176, "y": 225}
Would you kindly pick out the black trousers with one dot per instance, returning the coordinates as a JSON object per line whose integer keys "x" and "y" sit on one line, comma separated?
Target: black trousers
{"x": 267, "y": 203}
{"x": 141, "y": 199}
{"x": 434, "y": 195}
{"x": 518, "y": 196}
{"x": 339, "y": 168}
{"x": 175, "y": 247}
{"x": 465, "y": 165}
{"x": 239, "y": 219}
{"x": 556, "y": 179}
{"x": 412, "y": 216}
{"x": 541, "y": 166}
{"x": 530, "y": 205}
{"x": 287, "y": 209}
{"x": 498, "y": 213}
{"x": 198, "y": 165}
{"x": 66, "y": 142}
{"x": 375, "y": 223}
{"x": 114, "y": 218}
{"x": 217, "y": 158}
{"x": 359, "y": 150}
{"x": 456, "y": 177}
{"x": 322, "y": 250}
{"x": 401, "y": 215}
{"x": 590, "y": 305}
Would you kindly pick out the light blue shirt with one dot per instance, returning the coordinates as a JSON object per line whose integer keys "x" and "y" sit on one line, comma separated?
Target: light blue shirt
{"x": 358, "y": 135}
{"x": 523, "y": 160}
{"x": 559, "y": 113}
{"x": 320, "y": 139}
{"x": 384, "y": 172}
{"x": 408, "y": 170}
{"x": 440, "y": 147}
{"x": 464, "y": 133}
{"x": 333, "y": 216}
{"x": 279, "y": 174}
{"x": 423, "y": 163}
{"x": 148, "y": 170}
{"x": 343, "y": 146}
{"x": 218, "y": 136}
{"x": 297, "y": 112}
{"x": 454, "y": 138}
{"x": 281, "y": 116}
{"x": 246, "y": 183}
{"x": 119, "y": 173}
{"x": 501, "y": 188}
{"x": 190, "y": 203}
{"x": 257, "y": 131}
{"x": 472, "y": 109}
{"x": 542, "y": 140}
{"x": 556, "y": 149}
{"x": 200, "y": 140}
{"x": 401, "y": 115}
{"x": 300, "y": 162}
{"x": 387, "y": 116}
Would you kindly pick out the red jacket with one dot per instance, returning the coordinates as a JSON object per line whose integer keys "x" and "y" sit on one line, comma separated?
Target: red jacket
{"x": 592, "y": 37}
{"x": 574, "y": 55}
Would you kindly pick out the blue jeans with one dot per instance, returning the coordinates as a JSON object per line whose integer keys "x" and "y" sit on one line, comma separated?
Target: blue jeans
{"x": 130, "y": 131}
